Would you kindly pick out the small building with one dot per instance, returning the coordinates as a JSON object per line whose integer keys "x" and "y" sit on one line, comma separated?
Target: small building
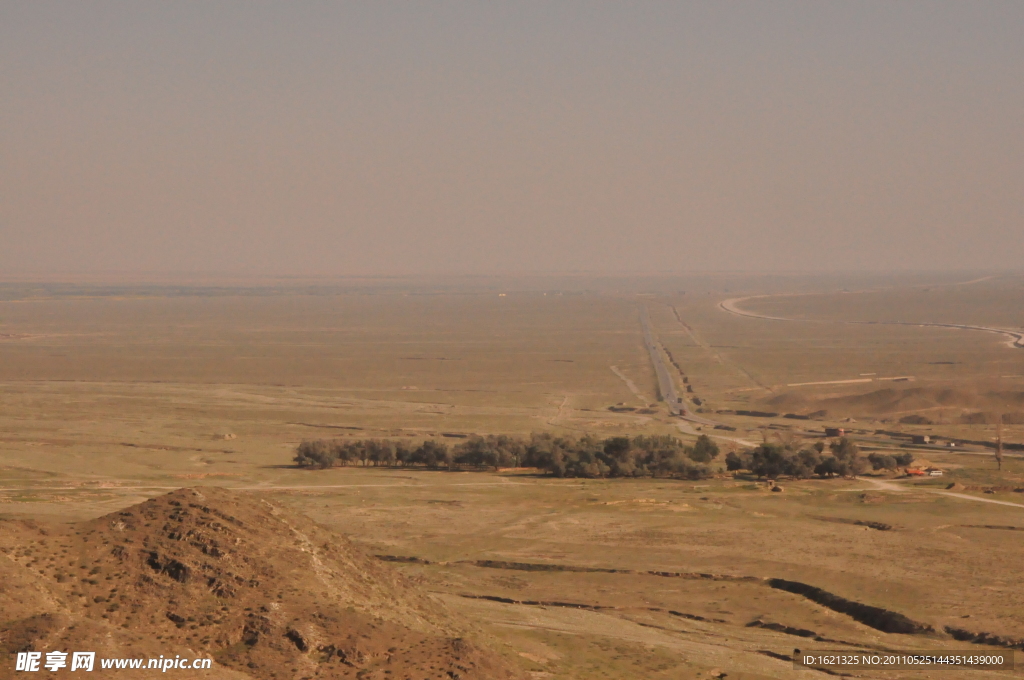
{"x": 921, "y": 439}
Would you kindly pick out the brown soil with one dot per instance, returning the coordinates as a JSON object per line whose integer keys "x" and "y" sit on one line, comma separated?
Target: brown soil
{"x": 213, "y": 573}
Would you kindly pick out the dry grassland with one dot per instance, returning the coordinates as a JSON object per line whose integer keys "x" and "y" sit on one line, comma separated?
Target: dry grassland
{"x": 110, "y": 397}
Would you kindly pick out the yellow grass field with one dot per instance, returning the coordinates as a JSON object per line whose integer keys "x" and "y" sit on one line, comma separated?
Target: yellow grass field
{"x": 112, "y": 395}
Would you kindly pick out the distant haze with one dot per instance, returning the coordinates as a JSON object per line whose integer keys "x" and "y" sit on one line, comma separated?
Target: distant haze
{"x": 353, "y": 138}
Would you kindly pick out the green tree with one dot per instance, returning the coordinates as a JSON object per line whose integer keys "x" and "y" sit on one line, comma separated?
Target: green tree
{"x": 431, "y": 453}
{"x": 769, "y": 460}
{"x": 829, "y": 467}
{"x": 801, "y": 465}
{"x": 881, "y": 461}
{"x": 849, "y": 456}
{"x": 735, "y": 461}
{"x": 315, "y": 454}
{"x": 704, "y": 449}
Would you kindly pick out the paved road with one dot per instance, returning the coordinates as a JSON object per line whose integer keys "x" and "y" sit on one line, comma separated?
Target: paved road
{"x": 666, "y": 386}
{"x": 1014, "y": 338}
{"x": 686, "y": 428}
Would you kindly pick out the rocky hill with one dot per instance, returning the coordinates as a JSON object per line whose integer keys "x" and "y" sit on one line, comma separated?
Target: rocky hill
{"x": 212, "y": 573}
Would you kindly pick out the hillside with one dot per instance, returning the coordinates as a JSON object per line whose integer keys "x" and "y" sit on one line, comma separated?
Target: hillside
{"x": 895, "y": 402}
{"x": 212, "y": 573}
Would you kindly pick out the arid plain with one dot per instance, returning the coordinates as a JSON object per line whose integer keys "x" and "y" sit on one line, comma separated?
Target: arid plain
{"x": 112, "y": 395}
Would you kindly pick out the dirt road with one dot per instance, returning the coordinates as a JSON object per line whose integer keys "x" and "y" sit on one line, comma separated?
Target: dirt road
{"x": 742, "y": 650}
{"x": 1015, "y": 338}
{"x": 886, "y": 485}
{"x": 733, "y": 647}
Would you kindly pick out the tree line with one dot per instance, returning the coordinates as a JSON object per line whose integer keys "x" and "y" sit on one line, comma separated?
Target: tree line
{"x": 560, "y": 456}
{"x": 592, "y": 457}
{"x": 772, "y": 460}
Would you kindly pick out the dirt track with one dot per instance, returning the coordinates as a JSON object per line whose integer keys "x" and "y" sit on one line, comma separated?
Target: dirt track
{"x": 900, "y": 488}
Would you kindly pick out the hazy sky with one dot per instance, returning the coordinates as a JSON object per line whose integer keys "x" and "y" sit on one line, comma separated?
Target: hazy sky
{"x": 370, "y": 137}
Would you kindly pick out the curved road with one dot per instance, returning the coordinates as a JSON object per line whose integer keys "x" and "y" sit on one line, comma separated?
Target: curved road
{"x": 1015, "y": 338}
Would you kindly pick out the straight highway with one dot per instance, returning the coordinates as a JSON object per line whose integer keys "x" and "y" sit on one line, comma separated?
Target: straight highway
{"x": 666, "y": 386}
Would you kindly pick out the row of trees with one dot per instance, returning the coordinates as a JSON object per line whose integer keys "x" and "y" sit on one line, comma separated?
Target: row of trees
{"x": 588, "y": 456}
{"x": 787, "y": 458}
{"x": 592, "y": 457}
{"x": 642, "y": 456}
{"x": 882, "y": 461}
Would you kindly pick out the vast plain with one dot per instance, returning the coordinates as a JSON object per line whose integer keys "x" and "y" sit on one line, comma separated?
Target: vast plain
{"x": 114, "y": 394}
